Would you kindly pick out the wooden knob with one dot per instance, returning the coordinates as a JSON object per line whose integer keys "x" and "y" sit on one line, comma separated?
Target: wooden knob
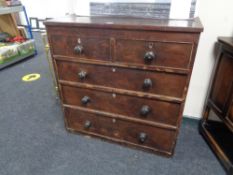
{"x": 87, "y": 124}
{"x": 142, "y": 137}
{"x": 78, "y": 49}
{"x": 85, "y": 100}
{"x": 147, "y": 83}
{"x": 149, "y": 56}
{"x": 82, "y": 75}
{"x": 145, "y": 110}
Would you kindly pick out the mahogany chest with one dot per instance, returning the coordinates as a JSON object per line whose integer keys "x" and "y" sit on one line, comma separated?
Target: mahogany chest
{"x": 124, "y": 79}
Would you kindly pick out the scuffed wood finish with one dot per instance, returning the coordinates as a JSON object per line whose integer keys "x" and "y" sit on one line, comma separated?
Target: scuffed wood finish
{"x": 123, "y": 92}
{"x": 124, "y": 65}
{"x": 121, "y": 104}
{"x": 121, "y": 130}
{"x": 219, "y": 133}
{"x": 124, "y": 79}
{"x": 123, "y": 50}
{"x": 111, "y": 76}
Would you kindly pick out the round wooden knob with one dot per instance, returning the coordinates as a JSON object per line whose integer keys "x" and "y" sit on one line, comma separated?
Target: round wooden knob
{"x": 85, "y": 100}
{"x": 145, "y": 110}
{"x": 149, "y": 56}
{"x": 87, "y": 124}
{"x": 147, "y": 83}
{"x": 82, "y": 75}
{"x": 142, "y": 137}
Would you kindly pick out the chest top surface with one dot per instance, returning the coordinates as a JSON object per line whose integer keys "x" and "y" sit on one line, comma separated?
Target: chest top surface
{"x": 113, "y": 22}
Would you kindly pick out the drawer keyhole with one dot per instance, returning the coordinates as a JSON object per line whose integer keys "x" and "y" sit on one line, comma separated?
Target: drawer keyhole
{"x": 79, "y": 49}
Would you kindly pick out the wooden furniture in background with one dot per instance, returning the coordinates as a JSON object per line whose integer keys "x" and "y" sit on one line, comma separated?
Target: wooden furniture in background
{"x": 124, "y": 79}
{"x": 217, "y": 123}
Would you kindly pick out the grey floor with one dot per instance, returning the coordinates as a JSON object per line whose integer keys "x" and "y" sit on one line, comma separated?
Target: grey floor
{"x": 33, "y": 140}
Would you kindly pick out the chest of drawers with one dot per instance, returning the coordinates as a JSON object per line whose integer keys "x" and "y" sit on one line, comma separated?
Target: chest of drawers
{"x": 124, "y": 79}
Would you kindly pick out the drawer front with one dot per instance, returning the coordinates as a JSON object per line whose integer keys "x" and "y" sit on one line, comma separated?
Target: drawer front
{"x": 146, "y": 109}
{"x": 135, "y": 133}
{"x": 130, "y": 79}
{"x": 97, "y": 46}
{"x": 81, "y": 46}
{"x": 166, "y": 54}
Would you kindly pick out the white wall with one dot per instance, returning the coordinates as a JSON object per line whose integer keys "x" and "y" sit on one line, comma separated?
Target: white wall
{"x": 180, "y": 9}
{"x": 217, "y": 18}
{"x": 46, "y": 8}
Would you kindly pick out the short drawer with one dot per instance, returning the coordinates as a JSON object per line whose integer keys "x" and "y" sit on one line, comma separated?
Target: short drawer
{"x": 81, "y": 46}
{"x": 122, "y": 131}
{"x": 157, "y": 53}
{"x": 167, "y": 84}
{"x": 141, "y": 108}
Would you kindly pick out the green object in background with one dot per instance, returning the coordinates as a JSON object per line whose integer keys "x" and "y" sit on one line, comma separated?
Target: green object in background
{"x": 8, "y": 51}
{"x": 29, "y": 53}
{"x": 26, "y": 47}
{"x": 17, "y": 51}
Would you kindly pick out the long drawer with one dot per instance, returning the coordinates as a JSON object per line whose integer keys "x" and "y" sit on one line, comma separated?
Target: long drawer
{"x": 141, "y": 108}
{"x": 122, "y": 131}
{"x": 108, "y": 45}
{"x": 167, "y": 84}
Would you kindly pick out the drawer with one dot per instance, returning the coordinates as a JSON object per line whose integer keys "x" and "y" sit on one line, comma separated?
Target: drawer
{"x": 81, "y": 46}
{"x": 122, "y": 78}
{"x": 120, "y": 130}
{"x": 146, "y": 109}
{"x": 159, "y": 53}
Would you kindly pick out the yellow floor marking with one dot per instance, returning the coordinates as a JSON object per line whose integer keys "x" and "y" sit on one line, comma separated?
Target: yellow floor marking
{"x": 31, "y": 77}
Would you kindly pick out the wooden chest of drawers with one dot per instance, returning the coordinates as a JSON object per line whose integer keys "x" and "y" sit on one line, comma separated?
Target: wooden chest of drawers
{"x": 124, "y": 79}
